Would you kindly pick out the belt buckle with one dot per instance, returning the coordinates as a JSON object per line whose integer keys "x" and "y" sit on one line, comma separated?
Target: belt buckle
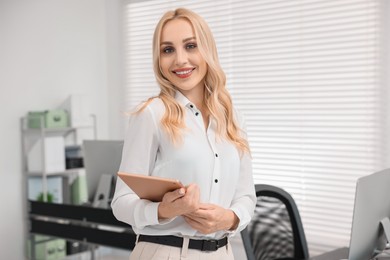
{"x": 210, "y": 245}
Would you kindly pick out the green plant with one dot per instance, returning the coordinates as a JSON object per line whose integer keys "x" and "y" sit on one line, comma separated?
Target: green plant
{"x": 49, "y": 197}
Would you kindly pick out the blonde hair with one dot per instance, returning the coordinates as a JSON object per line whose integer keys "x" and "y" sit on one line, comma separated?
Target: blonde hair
{"x": 216, "y": 96}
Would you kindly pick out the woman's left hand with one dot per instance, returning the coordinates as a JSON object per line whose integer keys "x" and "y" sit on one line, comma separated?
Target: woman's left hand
{"x": 210, "y": 218}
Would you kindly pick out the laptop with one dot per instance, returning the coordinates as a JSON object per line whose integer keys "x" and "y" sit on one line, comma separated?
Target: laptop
{"x": 102, "y": 160}
{"x": 370, "y": 219}
{"x": 370, "y": 230}
{"x": 370, "y": 225}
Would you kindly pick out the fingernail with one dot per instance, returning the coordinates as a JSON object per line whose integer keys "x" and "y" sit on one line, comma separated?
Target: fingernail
{"x": 181, "y": 191}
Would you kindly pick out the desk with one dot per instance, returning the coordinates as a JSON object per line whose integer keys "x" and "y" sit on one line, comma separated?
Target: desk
{"x": 342, "y": 253}
{"x": 337, "y": 254}
{"x": 79, "y": 223}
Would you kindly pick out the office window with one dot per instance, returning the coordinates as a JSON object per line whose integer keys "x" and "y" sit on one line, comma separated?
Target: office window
{"x": 306, "y": 75}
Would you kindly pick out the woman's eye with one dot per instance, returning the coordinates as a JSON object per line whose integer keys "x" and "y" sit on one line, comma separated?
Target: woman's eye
{"x": 167, "y": 50}
{"x": 191, "y": 46}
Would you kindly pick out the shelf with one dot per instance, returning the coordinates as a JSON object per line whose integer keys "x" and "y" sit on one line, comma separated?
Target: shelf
{"x": 54, "y": 131}
{"x": 60, "y": 173}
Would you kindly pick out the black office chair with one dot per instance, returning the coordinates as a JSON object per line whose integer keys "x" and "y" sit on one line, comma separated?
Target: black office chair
{"x": 276, "y": 230}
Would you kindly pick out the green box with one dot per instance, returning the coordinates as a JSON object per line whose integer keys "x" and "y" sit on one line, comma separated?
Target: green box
{"x": 51, "y": 249}
{"x": 56, "y": 118}
{"x": 79, "y": 191}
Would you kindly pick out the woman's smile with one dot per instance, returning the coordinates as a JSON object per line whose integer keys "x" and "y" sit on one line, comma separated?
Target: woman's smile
{"x": 184, "y": 72}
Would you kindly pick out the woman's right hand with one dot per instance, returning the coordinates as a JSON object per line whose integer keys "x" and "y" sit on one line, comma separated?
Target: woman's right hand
{"x": 179, "y": 202}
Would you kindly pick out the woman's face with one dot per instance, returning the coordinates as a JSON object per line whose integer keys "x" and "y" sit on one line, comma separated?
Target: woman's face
{"x": 180, "y": 60}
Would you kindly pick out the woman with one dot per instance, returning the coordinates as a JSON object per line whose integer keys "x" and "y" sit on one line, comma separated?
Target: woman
{"x": 189, "y": 132}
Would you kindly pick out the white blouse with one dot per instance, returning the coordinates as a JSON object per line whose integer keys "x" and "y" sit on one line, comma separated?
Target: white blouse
{"x": 223, "y": 176}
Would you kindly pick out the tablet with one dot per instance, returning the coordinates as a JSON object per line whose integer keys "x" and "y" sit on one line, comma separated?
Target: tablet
{"x": 149, "y": 187}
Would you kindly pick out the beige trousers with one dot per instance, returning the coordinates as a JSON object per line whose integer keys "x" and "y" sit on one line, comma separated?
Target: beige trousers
{"x": 152, "y": 251}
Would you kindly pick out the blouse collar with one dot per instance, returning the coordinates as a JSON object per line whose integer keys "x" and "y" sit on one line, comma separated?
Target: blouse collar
{"x": 183, "y": 100}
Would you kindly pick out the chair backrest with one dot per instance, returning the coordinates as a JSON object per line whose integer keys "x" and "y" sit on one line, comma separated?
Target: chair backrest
{"x": 276, "y": 230}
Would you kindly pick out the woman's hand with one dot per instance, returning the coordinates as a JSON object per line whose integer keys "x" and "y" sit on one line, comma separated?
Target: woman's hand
{"x": 210, "y": 218}
{"x": 179, "y": 202}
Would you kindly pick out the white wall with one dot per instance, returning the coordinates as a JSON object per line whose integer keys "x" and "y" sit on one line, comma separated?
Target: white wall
{"x": 49, "y": 50}
{"x": 117, "y": 120}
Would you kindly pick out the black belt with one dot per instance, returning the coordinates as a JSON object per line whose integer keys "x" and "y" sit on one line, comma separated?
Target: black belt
{"x": 203, "y": 245}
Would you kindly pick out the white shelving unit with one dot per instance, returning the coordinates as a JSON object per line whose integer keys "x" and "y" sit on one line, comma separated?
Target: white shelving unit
{"x": 38, "y": 136}
{"x": 32, "y": 135}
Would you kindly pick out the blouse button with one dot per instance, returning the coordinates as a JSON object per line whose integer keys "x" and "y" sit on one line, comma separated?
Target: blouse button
{"x": 216, "y": 155}
{"x": 191, "y": 106}
{"x": 197, "y": 113}
{"x": 216, "y": 180}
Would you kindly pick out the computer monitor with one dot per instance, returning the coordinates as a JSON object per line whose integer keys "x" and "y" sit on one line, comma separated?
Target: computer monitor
{"x": 372, "y": 207}
{"x": 101, "y": 161}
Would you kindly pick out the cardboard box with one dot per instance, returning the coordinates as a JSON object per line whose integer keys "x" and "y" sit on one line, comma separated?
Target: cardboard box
{"x": 51, "y": 118}
{"x": 79, "y": 109}
{"x": 54, "y": 160}
{"x": 53, "y": 249}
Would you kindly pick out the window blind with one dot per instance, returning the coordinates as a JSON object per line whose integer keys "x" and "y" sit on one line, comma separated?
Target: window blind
{"x": 306, "y": 76}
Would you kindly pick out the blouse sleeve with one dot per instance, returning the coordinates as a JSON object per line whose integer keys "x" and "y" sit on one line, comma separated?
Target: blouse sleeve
{"x": 138, "y": 156}
{"x": 244, "y": 200}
